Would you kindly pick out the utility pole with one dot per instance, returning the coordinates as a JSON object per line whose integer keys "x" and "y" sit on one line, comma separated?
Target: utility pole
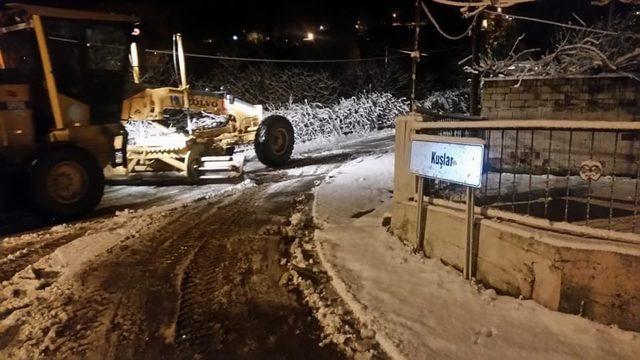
{"x": 415, "y": 56}
{"x": 475, "y": 60}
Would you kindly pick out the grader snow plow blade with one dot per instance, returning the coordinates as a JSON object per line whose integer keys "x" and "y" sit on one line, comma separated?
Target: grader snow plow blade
{"x": 220, "y": 167}
{"x": 186, "y": 161}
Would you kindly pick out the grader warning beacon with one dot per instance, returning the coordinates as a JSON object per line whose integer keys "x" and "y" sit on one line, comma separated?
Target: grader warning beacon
{"x": 67, "y": 96}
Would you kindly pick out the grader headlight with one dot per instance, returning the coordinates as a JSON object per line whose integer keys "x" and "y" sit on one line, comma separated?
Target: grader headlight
{"x": 119, "y": 150}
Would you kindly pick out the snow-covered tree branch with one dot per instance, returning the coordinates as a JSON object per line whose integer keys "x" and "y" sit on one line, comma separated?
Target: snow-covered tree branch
{"x": 577, "y": 52}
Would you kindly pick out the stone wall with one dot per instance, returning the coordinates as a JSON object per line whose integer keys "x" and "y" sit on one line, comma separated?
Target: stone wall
{"x": 607, "y": 98}
{"x": 571, "y": 98}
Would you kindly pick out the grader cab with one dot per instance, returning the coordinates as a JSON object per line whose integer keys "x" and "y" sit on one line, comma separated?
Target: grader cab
{"x": 62, "y": 80}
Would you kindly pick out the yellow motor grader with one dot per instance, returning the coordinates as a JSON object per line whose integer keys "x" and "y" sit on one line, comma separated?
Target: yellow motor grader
{"x": 196, "y": 132}
{"x": 66, "y": 92}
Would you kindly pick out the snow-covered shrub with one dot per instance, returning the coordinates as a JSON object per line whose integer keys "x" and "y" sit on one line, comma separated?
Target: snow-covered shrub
{"x": 277, "y": 83}
{"x": 356, "y": 115}
{"x": 447, "y": 101}
{"x": 271, "y": 84}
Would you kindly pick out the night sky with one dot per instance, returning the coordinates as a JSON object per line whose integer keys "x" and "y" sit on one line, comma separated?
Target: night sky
{"x": 220, "y": 20}
{"x": 209, "y": 26}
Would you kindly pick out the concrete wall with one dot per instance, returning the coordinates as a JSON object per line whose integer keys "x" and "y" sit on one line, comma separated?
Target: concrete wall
{"x": 570, "y": 98}
{"x": 561, "y": 272}
{"x": 578, "y": 275}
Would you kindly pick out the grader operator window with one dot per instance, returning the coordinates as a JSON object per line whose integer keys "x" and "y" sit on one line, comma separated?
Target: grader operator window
{"x": 89, "y": 61}
{"x": 16, "y": 50}
{"x": 105, "y": 48}
{"x": 17, "y": 46}
{"x": 20, "y": 64}
{"x": 18, "y": 58}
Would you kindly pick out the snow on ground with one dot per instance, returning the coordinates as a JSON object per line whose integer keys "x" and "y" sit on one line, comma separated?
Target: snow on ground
{"x": 44, "y": 273}
{"x": 51, "y": 278}
{"x": 152, "y": 192}
{"x": 324, "y": 143}
{"x": 421, "y": 308}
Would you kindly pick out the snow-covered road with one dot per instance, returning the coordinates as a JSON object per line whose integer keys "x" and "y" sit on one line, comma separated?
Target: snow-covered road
{"x": 167, "y": 270}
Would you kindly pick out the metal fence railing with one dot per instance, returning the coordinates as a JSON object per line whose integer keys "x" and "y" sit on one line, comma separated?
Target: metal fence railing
{"x": 579, "y": 172}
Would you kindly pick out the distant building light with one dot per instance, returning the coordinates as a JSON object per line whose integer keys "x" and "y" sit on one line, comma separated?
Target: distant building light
{"x": 485, "y": 23}
{"x": 310, "y": 36}
{"x": 235, "y": 37}
{"x": 394, "y": 15}
{"x": 255, "y": 37}
{"x": 321, "y": 27}
{"x": 500, "y": 10}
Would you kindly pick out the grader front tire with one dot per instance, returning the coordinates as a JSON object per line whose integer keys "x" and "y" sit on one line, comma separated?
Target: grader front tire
{"x": 66, "y": 183}
{"x": 274, "y": 141}
{"x": 192, "y": 161}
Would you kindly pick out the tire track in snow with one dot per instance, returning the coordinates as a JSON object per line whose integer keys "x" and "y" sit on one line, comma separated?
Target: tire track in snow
{"x": 232, "y": 305}
{"x": 142, "y": 285}
{"x": 195, "y": 329}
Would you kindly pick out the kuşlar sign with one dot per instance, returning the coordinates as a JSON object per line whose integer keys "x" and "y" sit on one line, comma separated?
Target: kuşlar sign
{"x": 453, "y": 159}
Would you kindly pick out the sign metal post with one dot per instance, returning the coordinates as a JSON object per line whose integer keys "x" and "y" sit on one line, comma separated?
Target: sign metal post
{"x": 468, "y": 254}
{"x": 419, "y": 223}
{"x": 455, "y": 160}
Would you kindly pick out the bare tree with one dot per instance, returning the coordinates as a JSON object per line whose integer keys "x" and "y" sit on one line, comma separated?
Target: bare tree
{"x": 577, "y": 52}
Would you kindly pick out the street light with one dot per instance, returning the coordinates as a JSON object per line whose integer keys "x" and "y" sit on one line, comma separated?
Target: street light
{"x": 235, "y": 37}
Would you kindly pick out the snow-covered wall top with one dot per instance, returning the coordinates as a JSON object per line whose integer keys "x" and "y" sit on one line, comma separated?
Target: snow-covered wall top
{"x": 571, "y": 98}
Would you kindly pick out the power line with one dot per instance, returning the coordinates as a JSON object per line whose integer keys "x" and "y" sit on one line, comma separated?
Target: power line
{"x": 276, "y": 60}
{"x": 427, "y": 53}
{"x": 435, "y": 23}
{"x": 549, "y": 22}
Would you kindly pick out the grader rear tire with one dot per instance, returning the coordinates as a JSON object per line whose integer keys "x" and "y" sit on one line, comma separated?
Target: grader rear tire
{"x": 274, "y": 141}
{"x": 66, "y": 183}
